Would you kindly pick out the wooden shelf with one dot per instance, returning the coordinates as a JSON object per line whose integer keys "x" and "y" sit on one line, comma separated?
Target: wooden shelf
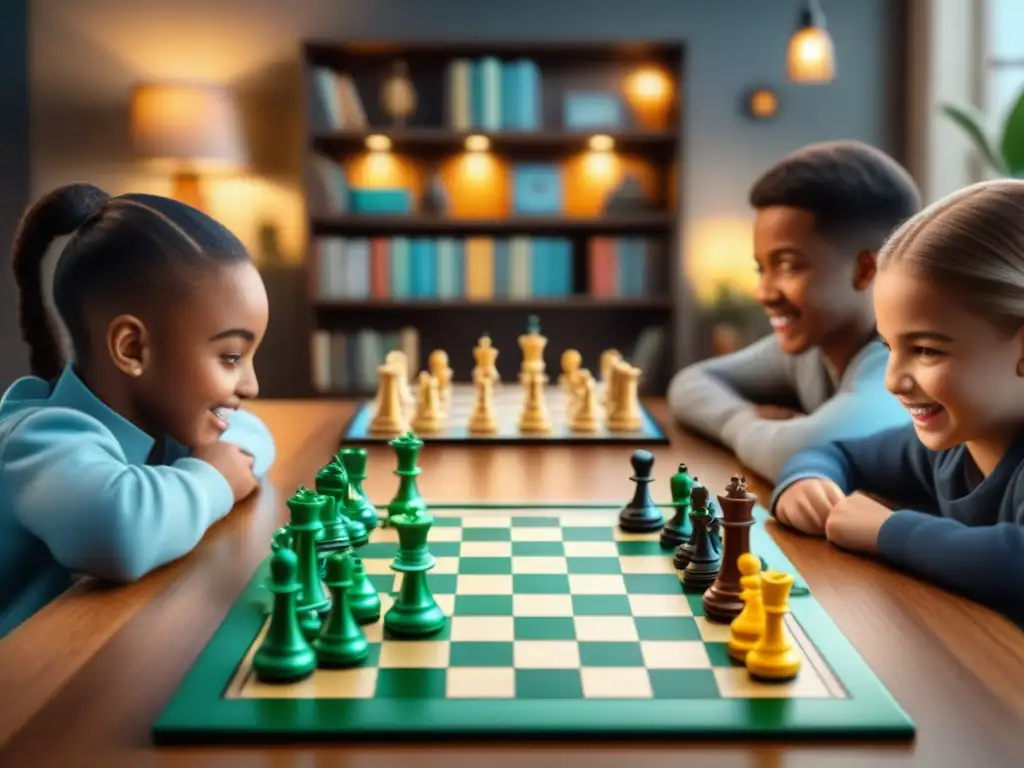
{"x": 346, "y": 53}
{"x": 434, "y": 141}
{"x": 652, "y": 222}
{"x": 634, "y": 304}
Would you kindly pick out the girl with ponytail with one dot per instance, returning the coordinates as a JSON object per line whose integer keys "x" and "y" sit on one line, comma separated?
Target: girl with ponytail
{"x": 949, "y": 298}
{"x": 128, "y": 440}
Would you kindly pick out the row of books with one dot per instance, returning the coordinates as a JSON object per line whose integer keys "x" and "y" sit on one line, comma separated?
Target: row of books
{"x": 348, "y": 361}
{"x": 484, "y": 94}
{"x": 337, "y": 100}
{"x": 492, "y": 95}
{"x": 483, "y": 267}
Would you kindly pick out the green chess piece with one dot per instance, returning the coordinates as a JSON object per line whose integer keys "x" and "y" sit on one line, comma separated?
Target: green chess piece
{"x": 284, "y": 655}
{"x": 415, "y": 612}
{"x": 408, "y": 501}
{"x": 342, "y": 642}
{"x": 364, "y": 601}
{"x": 332, "y": 480}
{"x": 306, "y": 508}
{"x": 533, "y": 324}
{"x": 354, "y": 461}
{"x": 678, "y": 530}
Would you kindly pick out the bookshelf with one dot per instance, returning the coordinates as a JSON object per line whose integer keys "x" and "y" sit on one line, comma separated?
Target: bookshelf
{"x": 523, "y": 177}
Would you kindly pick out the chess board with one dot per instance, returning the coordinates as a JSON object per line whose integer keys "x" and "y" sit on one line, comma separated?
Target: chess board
{"x": 560, "y": 625}
{"x": 508, "y": 402}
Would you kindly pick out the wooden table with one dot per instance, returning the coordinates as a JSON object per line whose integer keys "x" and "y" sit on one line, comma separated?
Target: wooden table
{"x": 84, "y": 679}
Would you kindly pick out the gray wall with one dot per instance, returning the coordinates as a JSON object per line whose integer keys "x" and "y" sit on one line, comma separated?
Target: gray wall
{"x": 14, "y": 172}
{"x": 85, "y": 55}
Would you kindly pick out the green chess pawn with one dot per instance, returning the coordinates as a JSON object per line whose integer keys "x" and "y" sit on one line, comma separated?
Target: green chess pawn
{"x": 415, "y": 612}
{"x": 364, "y": 601}
{"x": 678, "y": 530}
{"x": 342, "y": 642}
{"x": 407, "y": 501}
{"x": 284, "y": 655}
{"x": 306, "y": 508}
{"x": 354, "y": 461}
{"x": 332, "y": 480}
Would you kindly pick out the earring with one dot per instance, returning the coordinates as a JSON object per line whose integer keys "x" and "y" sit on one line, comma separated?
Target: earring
{"x": 137, "y": 370}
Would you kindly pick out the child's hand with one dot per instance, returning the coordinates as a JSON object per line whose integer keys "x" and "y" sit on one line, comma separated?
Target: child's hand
{"x": 806, "y": 505}
{"x": 855, "y": 521}
{"x": 232, "y": 462}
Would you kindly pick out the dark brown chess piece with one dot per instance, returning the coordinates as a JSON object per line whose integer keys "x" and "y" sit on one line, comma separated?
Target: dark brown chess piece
{"x": 722, "y": 601}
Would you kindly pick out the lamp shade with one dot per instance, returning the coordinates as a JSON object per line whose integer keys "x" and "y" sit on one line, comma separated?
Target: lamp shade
{"x": 197, "y": 126}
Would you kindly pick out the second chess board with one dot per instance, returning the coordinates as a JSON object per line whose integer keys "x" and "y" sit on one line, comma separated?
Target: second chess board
{"x": 508, "y": 404}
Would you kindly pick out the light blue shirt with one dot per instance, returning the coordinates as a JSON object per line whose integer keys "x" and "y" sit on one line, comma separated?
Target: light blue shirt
{"x": 77, "y": 496}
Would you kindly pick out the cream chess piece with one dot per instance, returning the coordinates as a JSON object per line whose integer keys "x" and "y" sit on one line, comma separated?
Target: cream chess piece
{"x": 609, "y": 359}
{"x": 486, "y": 357}
{"x": 624, "y": 413}
{"x": 389, "y": 418}
{"x": 484, "y": 419}
{"x": 571, "y": 362}
{"x": 437, "y": 362}
{"x": 586, "y": 417}
{"x": 532, "y": 343}
{"x": 534, "y": 417}
{"x": 428, "y": 416}
{"x": 397, "y": 359}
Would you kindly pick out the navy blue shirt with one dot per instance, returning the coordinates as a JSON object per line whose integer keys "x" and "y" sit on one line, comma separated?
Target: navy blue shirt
{"x": 951, "y": 527}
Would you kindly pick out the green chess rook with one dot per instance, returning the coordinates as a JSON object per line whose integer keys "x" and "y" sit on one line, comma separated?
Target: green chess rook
{"x": 407, "y": 501}
{"x": 414, "y": 613}
{"x": 678, "y": 530}
{"x": 306, "y": 508}
{"x": 354, "y": 461}
{"x": 342, "y": 642}
{"x": 284, "y": 655}
{"x": 332, "y": 480}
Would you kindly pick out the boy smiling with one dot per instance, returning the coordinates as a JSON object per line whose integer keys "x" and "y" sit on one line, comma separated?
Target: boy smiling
{"x": 822, "y": 214}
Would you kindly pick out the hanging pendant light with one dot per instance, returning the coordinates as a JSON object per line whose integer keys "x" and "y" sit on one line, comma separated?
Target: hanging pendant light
{"x": 810, "y": 57}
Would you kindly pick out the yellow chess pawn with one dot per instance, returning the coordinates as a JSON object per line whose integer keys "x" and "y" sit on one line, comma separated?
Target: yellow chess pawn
{"x": 774, "y": 656}
{"x": 441, "y": 370}
{"x": 571, "y": 362}
{"x": 747, "y": 628}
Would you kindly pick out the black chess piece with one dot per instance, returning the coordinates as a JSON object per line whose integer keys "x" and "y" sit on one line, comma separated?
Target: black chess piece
{"x": 641, "y": 515}
{"x": 705, "y": 561}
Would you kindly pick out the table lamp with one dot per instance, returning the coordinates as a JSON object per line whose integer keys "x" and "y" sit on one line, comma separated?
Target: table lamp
{"x": 187, "y": 130}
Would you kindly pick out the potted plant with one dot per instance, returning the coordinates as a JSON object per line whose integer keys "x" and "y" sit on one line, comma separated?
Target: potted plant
{"x": 1003, "y": 153}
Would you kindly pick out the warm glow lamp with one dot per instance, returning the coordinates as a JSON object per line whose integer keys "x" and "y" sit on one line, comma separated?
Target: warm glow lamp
{"x": 810, "y": 57}
{"x": 187, "y": 130}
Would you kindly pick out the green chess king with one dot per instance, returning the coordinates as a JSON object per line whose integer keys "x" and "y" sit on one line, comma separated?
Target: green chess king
{"x": 415, "y": 612}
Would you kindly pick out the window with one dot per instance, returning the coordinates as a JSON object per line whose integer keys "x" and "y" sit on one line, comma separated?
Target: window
{"x": 1004, "y": 63}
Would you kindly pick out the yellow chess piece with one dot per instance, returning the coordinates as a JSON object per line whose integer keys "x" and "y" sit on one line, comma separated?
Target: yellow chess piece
{"x": 748, "y": 627}
{"x": 774, "y": 657}
{"x": 428, "y": 416}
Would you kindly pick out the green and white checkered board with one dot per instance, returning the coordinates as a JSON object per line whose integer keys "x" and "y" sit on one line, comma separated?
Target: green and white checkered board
{"x": 508, "y": 403}
{"x": 560, "y": 624}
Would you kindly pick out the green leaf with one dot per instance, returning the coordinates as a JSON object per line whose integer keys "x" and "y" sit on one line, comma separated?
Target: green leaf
{"x": 1013, "y": 139}
{"x": 970, "y": 120}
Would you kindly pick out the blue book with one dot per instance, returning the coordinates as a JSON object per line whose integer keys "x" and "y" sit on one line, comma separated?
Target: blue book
{"x": 501, "y": 267}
